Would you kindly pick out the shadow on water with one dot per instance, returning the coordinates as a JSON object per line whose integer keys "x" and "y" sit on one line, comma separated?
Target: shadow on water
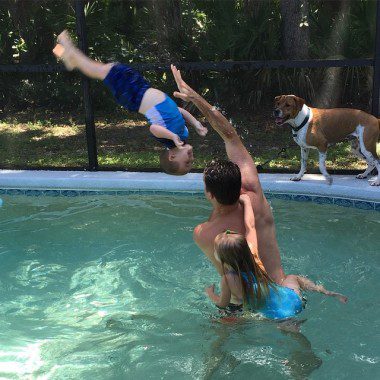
{"x": 302, "y": 360}
{"x": 219, "y": 360}
{"x": 300, "y": 363}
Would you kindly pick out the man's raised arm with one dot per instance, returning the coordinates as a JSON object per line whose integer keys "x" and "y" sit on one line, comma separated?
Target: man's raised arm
{"x": 214, "y": 117}
{"x": 235, "y": 149}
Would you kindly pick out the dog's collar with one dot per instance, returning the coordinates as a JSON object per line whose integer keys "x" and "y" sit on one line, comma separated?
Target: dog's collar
{"x": 296, "y": 128}
{"x": 305, "y": 120}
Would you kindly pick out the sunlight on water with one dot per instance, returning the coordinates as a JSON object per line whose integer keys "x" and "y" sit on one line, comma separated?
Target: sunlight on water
{"x": 112, "y": 288}
{"x": 24, "y": 360}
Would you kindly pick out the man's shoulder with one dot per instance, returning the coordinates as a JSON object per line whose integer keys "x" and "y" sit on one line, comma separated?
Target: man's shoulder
{"x": 200, "y": 230}
{"x": 204, "y": 233}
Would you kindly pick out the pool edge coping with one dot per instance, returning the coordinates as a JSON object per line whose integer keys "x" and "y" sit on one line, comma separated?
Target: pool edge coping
{"x": 313, "y": 186}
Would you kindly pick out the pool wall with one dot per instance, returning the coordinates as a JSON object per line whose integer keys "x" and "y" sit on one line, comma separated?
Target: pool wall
{"x": 345, "y": 190}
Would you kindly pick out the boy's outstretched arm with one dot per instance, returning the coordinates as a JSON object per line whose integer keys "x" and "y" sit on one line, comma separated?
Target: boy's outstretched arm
{"x": 235, "y": 149}
{"x": 163, "y": 133}
{"x": 309, "y": 285}
{"x": 190, "y": 119}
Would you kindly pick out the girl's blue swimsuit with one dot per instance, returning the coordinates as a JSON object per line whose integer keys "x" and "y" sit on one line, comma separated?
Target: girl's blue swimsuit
{"x": 128, "y": 87}
{"x": 281, "y": 302}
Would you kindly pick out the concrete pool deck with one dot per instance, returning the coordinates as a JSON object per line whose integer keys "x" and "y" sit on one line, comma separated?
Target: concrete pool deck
{"x": 344, "y": 186}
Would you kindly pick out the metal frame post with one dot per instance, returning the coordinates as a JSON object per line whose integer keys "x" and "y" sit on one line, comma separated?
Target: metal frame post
{"x": 89, "y": 113}
{"x": 376, "y": 66}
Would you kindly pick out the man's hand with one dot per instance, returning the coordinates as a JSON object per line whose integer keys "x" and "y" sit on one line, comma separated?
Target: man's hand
{"x": 185, "y": 93}
{"x": 201, "y": 130}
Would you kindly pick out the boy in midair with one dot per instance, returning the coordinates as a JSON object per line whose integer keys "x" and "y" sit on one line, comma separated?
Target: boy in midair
{"x": 133, "y": 92}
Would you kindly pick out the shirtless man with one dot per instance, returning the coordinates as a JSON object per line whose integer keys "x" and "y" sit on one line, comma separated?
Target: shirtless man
{"x": 223, "y": 184}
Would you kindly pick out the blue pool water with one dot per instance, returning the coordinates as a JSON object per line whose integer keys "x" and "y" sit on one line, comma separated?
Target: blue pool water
{"x": 109, "y": 287}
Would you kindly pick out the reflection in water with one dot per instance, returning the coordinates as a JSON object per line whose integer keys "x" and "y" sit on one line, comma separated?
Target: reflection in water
{"x": 299, "y": 363}
{"x": 302, "y": 359}
{"x": 216, "y": 357}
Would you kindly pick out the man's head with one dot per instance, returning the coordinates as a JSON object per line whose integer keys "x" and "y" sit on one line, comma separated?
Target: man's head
{"x": 177, "y": 161}
{"x": 287, "y": 107}
{"x": 222, "y": 181}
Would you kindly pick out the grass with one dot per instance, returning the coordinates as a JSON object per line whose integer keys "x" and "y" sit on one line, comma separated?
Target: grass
{"x": 41, "y": 139}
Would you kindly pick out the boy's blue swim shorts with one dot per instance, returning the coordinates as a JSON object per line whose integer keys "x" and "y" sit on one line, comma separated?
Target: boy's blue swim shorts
{"x": 127, "y": 86}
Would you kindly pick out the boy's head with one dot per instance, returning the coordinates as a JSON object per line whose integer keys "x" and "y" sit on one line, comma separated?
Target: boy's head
{"x": 177, "y": 161}
{"x": 222, "y": 181}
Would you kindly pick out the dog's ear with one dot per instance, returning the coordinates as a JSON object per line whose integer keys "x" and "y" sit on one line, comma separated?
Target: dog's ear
{"x": 299, "y": 103}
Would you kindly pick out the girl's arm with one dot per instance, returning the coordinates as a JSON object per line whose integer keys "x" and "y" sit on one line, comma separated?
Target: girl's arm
{"x": 249, "y": 222}
{"x": 223, "y": 299}
{"x": 307, "y": 284}
{"x": 250, "y": 229}
{"x": 190, "y": 119}
{"x": 163, "y": 133}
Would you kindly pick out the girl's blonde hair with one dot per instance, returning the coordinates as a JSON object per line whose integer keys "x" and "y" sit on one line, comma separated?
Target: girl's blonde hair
{"x": 233, "y": 250}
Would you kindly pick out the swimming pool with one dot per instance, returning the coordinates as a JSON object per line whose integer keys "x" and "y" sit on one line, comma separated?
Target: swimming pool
{"x": 111, "y": 287}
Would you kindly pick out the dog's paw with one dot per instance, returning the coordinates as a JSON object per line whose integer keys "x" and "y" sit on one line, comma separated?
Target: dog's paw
{"x": 329, "y": 179}
{"x": 375, "y": 182}
{"x": 295, "y": 179}
{"x": 361, "y": 176}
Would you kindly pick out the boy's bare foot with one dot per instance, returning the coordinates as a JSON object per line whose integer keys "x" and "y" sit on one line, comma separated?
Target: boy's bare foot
{"x": 65, "y": 40}
{"x": 58, "y": 51}
{"x": 65, "y": 50}
{"x": 65, "y": 56}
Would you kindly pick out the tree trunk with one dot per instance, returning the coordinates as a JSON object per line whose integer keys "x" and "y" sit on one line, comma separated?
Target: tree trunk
{"x": 330, "y": 94}
{"x": 252, "y": 7}
{"x": 295, "y": 29}
{"x": 168, "y": 20}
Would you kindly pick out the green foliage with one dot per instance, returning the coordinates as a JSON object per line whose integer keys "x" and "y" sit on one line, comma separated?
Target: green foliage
{"x": 58, "y": 140}
{"x": 182, "y": 30}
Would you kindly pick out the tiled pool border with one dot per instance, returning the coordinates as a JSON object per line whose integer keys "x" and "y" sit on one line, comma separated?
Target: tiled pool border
{"x": 345, "y": 191}
{"x": 319, "y": 199}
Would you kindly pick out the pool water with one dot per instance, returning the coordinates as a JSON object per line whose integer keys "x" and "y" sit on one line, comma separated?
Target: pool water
{"x": 111, "y": 287}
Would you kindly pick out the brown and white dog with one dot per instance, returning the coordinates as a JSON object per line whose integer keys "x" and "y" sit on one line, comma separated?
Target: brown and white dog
{"x": 319, "y": 128}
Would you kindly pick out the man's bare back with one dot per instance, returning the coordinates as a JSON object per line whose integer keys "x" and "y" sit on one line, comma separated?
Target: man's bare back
{"x": 205, "y": 233}
{"x": 231, "y": 217}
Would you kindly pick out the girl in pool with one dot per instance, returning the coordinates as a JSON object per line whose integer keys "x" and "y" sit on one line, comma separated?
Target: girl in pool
{"x": 133, "y": 92}
{"x": 245, "y": 284}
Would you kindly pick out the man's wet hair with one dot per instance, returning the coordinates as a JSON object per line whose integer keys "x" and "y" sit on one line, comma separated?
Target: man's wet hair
{"x": 223, "y": 180}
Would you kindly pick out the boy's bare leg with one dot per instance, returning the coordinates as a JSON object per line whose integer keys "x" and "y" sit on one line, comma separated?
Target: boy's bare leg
{"x": 307, "y": 284}
{"x": 73, "y": 58}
